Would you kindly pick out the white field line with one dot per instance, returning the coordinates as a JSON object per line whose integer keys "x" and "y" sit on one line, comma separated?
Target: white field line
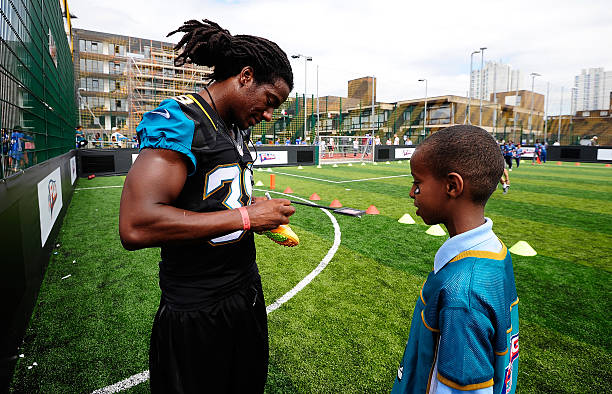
{"x": 144, "y": 376}
{"x": 350, "y": 180}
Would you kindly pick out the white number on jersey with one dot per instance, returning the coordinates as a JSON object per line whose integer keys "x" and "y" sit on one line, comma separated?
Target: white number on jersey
{"x": 240, "y": 185}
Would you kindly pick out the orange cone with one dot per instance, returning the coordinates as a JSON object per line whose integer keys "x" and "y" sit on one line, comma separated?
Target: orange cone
{"x": 272, "y": 181}
{"x": 577, "y": 163}
{"x": 314, "y": 197}
{"x": 372, "y": 210}
{"x": 608, "y": 165}
{"x": 558, "y": 163}
{"x": 288, "y": 190}
{"x": 335, "y": 204}
{"x": 92, "y": 176}
{"x": 538, "y": 160}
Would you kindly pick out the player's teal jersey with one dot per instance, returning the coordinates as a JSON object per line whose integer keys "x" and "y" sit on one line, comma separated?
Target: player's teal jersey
{"x": 220, "y": 178}
{"x": 465, "y": 327}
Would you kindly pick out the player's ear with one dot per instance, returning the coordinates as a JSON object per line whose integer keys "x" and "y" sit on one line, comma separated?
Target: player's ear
{"x": 454, "y": 185}
{"x": 246, "y": 76}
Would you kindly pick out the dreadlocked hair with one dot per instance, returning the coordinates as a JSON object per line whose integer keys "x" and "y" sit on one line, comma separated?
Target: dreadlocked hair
{"x": 208, "y": 44}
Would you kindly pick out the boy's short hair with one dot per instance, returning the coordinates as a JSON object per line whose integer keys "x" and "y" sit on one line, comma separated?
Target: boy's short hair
{"x": 469, "y": 151}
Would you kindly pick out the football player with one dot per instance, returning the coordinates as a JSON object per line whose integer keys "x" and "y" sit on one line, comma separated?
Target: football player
{"x": 190, "y": 193}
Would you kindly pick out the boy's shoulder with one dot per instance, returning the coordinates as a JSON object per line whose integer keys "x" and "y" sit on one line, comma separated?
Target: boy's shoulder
{"x": 474, "y": 277}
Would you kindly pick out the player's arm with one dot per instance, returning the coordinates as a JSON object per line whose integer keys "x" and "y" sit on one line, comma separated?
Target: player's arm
{"x": 147, "y": 217}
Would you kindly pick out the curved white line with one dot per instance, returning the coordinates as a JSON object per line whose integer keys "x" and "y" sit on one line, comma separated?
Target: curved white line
{"x": 330, "y": 254}
{"x": 144, "y": 376}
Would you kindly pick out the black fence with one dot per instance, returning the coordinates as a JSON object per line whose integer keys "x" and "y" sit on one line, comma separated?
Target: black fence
{"x": 33, "y": 204}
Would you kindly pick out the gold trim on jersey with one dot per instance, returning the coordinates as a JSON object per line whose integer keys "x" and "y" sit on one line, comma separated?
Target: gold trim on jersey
{"x": 202, "y": 108}
{"x": 426, "y": 325}
{"x": 482, "y": 254}
{"x": 468, "y": 387}
{"x": 421, "y": 293}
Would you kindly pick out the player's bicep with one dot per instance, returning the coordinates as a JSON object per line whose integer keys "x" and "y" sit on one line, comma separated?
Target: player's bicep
{"x": 157, "y": 176}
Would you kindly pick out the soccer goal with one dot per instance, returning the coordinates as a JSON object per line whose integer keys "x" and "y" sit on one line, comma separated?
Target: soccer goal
{"x": 345, "y": 149}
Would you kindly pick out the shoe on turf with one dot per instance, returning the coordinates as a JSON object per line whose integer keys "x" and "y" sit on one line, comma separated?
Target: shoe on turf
{"x": 505, "y": 187}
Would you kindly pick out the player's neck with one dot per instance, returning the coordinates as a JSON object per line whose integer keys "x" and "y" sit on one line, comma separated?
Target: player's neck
{"x": 217, "y": 99}
{"x": 465, "y": 218}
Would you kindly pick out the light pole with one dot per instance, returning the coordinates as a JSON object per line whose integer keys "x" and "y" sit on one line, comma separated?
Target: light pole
{"x": 306, "y": 60}
{"x": 546, "y": 111}
{"x": 481, "y": 79}
{"x": 425, "y": 110}
{"x": 560, "y": 110}
{"x": 533, "y": 75}
{"x": 467, "y": 119}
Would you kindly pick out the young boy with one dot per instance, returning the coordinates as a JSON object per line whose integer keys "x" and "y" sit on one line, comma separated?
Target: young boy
{"x": 464, "y": 330}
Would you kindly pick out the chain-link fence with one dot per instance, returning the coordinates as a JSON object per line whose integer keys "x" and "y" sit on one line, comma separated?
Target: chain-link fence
{"x": 37, "y": 104}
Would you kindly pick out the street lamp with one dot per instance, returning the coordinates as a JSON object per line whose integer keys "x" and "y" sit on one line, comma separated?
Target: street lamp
{"x": 481, "y": 79}
{"x": 425, "y": 110}
{"x": 533, "y": 75}
{"x": 467, "y": 119}
{"x": 306, "y": 60}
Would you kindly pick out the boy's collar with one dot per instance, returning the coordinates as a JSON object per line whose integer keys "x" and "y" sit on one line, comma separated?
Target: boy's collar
{"x": 468, "y": 240}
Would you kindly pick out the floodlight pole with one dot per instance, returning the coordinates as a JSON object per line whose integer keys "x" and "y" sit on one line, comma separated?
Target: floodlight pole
{"x": 481, "y": 80}
{"x": 560, "y": 110}
{"x": 533, "y": 75}
{"x": 425, "y": 108}
{"x": 318, "y": 126}
{"x": 373, "y": 103}
{"x": 467, "y": 119}
{"x": 306, "y": 60}
{"x": 546, "y": 112}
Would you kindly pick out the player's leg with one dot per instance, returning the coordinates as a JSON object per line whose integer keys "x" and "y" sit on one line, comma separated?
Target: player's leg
{"x": 249, "y": 371}
{"x": 190, "y": 351}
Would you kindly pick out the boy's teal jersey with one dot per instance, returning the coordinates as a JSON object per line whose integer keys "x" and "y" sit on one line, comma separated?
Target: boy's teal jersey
{"x": 465, "y": 327}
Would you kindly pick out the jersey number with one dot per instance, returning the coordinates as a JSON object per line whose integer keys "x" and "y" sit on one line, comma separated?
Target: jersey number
{"x": 241, "y": 185}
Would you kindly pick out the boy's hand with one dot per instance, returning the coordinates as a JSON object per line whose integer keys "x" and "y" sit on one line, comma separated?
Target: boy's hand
{"x": 269, "y": 214}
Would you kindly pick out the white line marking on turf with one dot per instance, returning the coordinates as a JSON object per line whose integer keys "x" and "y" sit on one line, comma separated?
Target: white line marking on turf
{"x": 124, "y": 384}
{"x": 330, "y": 254}
{"x": 350, "y": 180}
{"x": 144, "y": 376}
{"x": 97, "y": 187}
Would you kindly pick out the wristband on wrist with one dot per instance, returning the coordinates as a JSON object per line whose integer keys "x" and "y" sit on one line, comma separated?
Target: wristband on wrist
{"x": 246, "y": 221}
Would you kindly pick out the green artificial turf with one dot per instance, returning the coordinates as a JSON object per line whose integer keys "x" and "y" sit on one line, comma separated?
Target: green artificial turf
{"x": 346, "y": 330}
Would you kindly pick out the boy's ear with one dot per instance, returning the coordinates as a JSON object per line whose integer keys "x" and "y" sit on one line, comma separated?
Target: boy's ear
{"x": 454, "y": 185}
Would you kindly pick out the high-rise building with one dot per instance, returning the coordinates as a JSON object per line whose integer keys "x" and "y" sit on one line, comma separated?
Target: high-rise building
{"x": 119, "y": 78}
{"x": 497, "y": 77}
{"x": 592, "y": 89}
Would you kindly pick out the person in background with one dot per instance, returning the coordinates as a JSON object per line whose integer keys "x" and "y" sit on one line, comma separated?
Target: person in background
{"x": 517, "y": 153}
{"x": 396, "y": 140}
{"x": 507, "y": 151}
{"x": 543, "y": 148}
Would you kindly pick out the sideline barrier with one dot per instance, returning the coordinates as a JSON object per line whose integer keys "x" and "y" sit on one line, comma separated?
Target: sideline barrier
{"x": 583, "y": 154}
{"x": 33, "y": 204}
{"x": 119, "y": 161}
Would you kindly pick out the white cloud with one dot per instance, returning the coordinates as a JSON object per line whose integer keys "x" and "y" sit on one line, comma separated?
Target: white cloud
{"x": 397, "y": 41}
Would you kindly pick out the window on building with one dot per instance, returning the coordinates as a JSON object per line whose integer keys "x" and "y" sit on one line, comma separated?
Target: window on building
{"x": 117, "y": 104}
{"x": 82, "y": 45}
{"x": 117, "y": 85}
{"x": 94, "y": 47}
{"x": 586, "y": 113}
{"x": 95, "y": 84}
{"x": 603, "y": 113}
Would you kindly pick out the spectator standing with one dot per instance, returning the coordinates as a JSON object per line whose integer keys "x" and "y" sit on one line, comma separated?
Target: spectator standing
{"x": 396, "y": 140}
{"x": 518, "y": 152}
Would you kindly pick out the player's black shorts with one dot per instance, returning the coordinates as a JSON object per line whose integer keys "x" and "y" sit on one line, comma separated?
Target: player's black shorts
{"x": 221, "y": 348}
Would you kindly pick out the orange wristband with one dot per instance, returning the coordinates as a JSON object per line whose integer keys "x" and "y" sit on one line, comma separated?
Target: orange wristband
{"x": 246, "y": 221}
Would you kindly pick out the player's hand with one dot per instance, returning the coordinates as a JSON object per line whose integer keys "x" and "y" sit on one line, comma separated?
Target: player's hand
{"x": 269, "y": 214}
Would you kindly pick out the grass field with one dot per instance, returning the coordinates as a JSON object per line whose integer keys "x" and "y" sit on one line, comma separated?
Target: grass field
{"x": 346, "y": 330}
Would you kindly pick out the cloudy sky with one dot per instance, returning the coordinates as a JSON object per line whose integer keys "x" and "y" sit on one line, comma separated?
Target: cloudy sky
{"x": 399, "y": 42}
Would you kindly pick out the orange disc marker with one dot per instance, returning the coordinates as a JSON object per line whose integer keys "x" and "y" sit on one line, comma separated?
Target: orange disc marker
{"x": 558, "y": 163}
{"x": 372, "y": 210}
{"x": 314, "y": 197}
{"x": 288, "y": 190}
{"x": 272, "y": 181}
{"x": 335, "y": 204}
{"x": 608, "y": 165}
{"x": 92, "y": 176}
{"x": 577, "y": 163}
